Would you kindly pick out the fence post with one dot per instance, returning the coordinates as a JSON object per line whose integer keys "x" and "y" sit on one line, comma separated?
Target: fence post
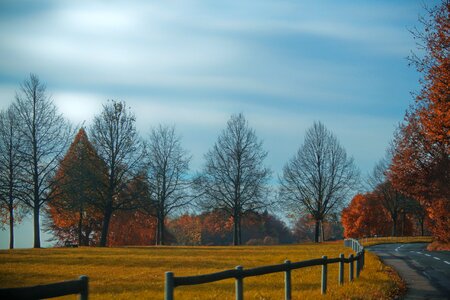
{"x": 239, "y": 285}
{"x": 350, "y": 274}
{"x": 324, "y": 275}
{"x": 341, "y": 269}
{"x": 358, "y": 264}
{"x": 363, "y": 258}
{"x": 84, "y": 287}
{"x": 287, "y": 281}
{"x": 169, "y": 286}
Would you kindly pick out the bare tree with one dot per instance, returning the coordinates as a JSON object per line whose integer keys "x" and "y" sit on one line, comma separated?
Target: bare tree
{"x": 11, "y": 166}
{"x": 319, "y": 178}
{"x": 391, "y": 199}
{"x": 167, "y": 176}
{"x": 234, "y": 178}
{"x": 45, "y": 137}
{"x": 117, "y": 142}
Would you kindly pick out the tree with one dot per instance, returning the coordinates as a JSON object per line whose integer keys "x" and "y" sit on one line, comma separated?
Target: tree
{"x": 432, "y": 103}
{"x": 319, "y": 178}
{"x": 80, "y": 181}
{"x": 45, "y": 136}
{"x": 131, "y": 227}
{"x": 420, "y": 169}
{"x": 393, "y": 200}
{"x": 217, "y": 227}
{"x": 10, "y": 168}
{"x": 365, "y": 216}
{"x": 116, "y": 140}
{"x": 420, "y": 214}
{"x": 303, "y": 229}
{"x": 421, "y": 163}
{"x": 167, "y": 176}
{"x": 234, "y": 178}
{"x": 274, "y": 228}
{"x": 187, "y": 230}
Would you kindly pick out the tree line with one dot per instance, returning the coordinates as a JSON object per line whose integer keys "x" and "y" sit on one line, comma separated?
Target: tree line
{"x": 410, "y": 187}
{"x": 109, "y": 176}
{"x": 82, "y": 182}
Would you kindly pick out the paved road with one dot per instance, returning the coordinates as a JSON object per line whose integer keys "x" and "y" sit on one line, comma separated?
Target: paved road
{"x": 427, "y": 274}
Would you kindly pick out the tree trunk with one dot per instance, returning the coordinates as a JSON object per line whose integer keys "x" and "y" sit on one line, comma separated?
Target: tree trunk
{"x": 317, "y": 231}
{"x": 161, "y": 226}
{"x": 421, "y": 228}
{"x": 239, "y": 231}
{"x": 105, "y": 227}
{"x": 403, "y": 223}
{"x": 323, "y": 231}
{"x": 394, "y": 227}
{"x": 160, "y": 229}
{"x": 157, "y": 236}
{"x": 11, "y": 228}
{"x": 80, "y": 228}
{"x": 235, "y": 229}
{"x": 37, "y": 233}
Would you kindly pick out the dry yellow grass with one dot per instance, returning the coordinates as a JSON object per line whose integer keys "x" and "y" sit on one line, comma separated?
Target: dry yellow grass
{"x": 366, "y": 242}
{"x": 138, "y": 273}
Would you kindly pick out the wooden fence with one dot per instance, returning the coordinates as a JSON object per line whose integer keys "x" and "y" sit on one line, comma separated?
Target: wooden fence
{"x": 239, "y": 273}
{"x": 79, "y": 286}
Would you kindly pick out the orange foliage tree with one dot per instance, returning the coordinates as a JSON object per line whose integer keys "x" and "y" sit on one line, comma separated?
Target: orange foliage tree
{"x": 365, "y": 216}
{"x": 131, "y": 228}
{"x": 421, "y": 163}
{"x": 78, "y": 183}
{"x": 187, "y": 230}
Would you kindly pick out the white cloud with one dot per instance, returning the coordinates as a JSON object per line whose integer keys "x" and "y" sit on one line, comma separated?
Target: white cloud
{"x": 78, "y": 107}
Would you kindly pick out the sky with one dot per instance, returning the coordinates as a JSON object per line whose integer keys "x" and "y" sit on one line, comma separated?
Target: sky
{"x": 192, "y": 64}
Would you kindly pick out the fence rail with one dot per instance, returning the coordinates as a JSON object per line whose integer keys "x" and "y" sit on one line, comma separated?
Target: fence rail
{"x": 79, "y": 286}
{"x": 239, "y": 273}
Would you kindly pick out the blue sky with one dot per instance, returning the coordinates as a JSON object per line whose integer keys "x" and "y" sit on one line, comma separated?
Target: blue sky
{"x": 284, "y": 64}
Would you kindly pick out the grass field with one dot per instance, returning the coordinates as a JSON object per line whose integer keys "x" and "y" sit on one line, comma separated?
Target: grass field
{"x": 366, "y": 242}
{"x": 138, "y": 273}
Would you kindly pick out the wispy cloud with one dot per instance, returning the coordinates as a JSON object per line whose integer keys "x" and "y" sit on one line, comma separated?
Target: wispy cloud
{"x": 193, "y": 63}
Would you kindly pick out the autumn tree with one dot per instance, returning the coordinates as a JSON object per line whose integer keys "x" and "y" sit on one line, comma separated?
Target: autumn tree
{"x": 11, "y": 166}
{"x": 421, "y": 163}
{"x": 217, "y": 227}
{"x": 234, "y": 176}
{"x": 433, "y": 101}
{"x": 117, "y": 142}
{"x": 187, "y": 230}
{"x": 420, "y": 169}
{"x": 419, "y": 212}
{"x": 319, "y": 178}
{"x": 131, "y": 227}
{"x": 168, "y": 166}
{"x": 365, "y": 216}
{"x": 80, "y": 180}
{"x": 45, "y": 137}
{"x": 393, "y": 200}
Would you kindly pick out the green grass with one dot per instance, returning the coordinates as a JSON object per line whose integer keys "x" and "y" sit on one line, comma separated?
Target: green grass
{"x": 137, "y": 273}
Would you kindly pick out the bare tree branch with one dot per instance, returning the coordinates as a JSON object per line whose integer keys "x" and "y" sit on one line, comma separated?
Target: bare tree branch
{"x": 319, "y": 178}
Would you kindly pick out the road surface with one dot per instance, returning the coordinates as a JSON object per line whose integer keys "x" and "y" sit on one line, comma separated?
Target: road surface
{"x": 427, "y": 274}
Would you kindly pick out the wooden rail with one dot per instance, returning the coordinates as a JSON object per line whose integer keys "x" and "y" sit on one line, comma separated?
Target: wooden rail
{"x": 239, "y": 273}
{"x": 79, "y": 286}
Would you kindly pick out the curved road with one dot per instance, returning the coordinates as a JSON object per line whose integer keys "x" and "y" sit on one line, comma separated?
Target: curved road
{"x": 427, "y": 274}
